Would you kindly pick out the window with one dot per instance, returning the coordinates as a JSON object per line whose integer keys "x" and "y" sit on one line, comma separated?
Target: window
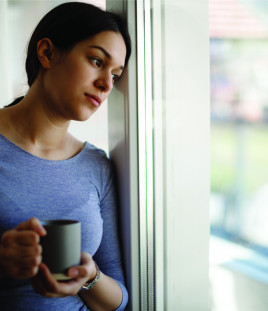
{"x": 165, "y": 137}
{"x": 239, "y": 156}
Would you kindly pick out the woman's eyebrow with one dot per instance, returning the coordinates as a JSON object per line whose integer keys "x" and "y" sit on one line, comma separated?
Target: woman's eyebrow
{"x": 105, "y": 53}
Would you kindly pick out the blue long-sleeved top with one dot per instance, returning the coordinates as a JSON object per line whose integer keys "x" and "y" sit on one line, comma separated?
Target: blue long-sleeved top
{"x": 80, "y": 188}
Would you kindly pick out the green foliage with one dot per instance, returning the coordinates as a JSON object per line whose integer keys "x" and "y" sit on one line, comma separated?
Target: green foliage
{"x": 239, "y": 157}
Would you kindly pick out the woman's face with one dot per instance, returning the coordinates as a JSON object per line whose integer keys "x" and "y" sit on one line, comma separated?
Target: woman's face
{"x": 77, "y": 84}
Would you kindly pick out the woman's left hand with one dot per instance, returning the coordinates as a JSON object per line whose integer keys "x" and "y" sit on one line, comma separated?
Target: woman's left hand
{"x": 45, "y": 284}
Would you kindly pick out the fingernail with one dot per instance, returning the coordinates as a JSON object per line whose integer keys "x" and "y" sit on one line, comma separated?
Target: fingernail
{"x": 40, "y": 227}
{"x": 74, "y": 273}
{"x": 41, "y": 230}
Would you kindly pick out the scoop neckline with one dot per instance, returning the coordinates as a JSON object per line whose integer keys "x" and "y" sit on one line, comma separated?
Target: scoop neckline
{"x": 77, "y": 155}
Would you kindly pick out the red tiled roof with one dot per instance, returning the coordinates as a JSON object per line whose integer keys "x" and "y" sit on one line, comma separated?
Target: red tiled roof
{"x": 231, "y": 19}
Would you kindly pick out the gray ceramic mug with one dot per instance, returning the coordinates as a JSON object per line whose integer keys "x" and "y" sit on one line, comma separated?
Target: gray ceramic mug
{"x": 61, "y": 246}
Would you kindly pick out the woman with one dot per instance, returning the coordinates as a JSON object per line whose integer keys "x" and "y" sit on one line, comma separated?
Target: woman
{"x": 75, "y": 55}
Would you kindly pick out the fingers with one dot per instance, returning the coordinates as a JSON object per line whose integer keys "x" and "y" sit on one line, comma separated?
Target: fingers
{"x": 45, "y": 284}
{"x": 25, "y": 251}
{"x": 87, "y": 269}
{"x": 41, "y": 284}
{"x": 34, "y": 225}
{"x": 79, "y": 272}
{"x": 20, "y": 238}
{"x": 86, "y": 258}
{"x": 23, "y": 256}
{"x": 22, "y": 271}
{"x": 40, "y": 289}
{"x": 27, "y": 272}
{"x": 20, "y": 251}
{"x": 18, "y": 246}
{"x": 21, "y": 268}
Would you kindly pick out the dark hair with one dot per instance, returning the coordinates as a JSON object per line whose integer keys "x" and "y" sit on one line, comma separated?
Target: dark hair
{"x": 69, "y": 23}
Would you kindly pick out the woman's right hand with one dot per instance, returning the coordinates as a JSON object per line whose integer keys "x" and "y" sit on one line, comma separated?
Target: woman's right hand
{"x": 20, "y": 251}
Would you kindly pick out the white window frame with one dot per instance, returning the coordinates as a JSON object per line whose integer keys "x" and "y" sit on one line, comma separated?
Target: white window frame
{"x": 167, "y": 265}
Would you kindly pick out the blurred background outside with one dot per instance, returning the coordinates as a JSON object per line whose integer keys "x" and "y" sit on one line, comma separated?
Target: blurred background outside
{"x": 239, "y": 154}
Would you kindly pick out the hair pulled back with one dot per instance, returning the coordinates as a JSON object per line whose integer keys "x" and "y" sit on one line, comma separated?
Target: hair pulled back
{"x": 68, "y": 24}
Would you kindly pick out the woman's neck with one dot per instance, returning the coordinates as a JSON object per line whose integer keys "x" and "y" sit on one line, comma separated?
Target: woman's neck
{"x": 37, "y": 130}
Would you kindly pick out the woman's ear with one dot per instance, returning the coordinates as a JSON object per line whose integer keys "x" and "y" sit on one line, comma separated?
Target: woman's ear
{"x": 45, "y": 52}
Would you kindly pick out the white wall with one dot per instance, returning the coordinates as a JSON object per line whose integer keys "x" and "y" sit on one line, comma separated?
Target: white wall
{"x": 5, "y": 87}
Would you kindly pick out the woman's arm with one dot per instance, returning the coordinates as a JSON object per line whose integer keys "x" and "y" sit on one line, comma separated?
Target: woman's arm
{"x": 105, "y": 295}
{"x": 109, "y": 254}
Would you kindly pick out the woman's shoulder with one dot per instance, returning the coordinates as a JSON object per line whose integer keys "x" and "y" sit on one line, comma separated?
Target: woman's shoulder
{"x": 95, "y": 163}
{"x": 96, "y": 154}
{"x": 94, "y": 149}
{"x": 97, "y": 160}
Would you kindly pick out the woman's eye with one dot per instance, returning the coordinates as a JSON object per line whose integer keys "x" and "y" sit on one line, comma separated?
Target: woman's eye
{"x": 97, "y": 62}
{"x": 115, "y": 77}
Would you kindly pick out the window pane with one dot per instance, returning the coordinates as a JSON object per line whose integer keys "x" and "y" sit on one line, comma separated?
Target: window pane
{"x": 239, "y": 154}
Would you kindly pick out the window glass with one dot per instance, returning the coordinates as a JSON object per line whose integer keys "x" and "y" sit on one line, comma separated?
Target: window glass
{"x": 239, "y": 153}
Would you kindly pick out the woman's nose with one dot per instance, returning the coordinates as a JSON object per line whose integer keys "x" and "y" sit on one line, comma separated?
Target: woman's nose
{"x": 105, "y": 83}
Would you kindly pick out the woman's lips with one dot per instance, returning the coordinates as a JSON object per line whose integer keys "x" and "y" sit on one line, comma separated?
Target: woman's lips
{"x": 94, "y": 100}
